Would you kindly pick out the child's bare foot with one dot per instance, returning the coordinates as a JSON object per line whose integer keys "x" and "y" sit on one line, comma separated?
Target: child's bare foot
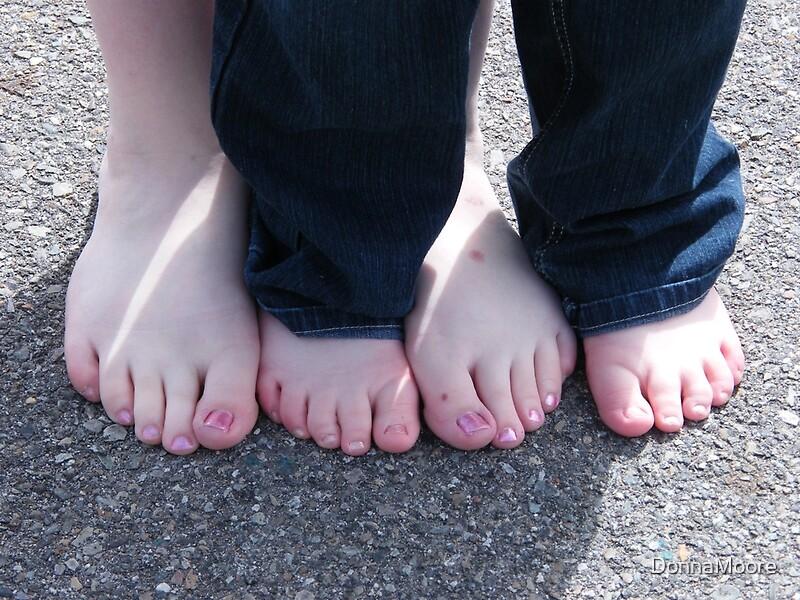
{"x": 343, "y": 393}
{"x": 487, "y": 339}
{"x": 159, "y": 325}
{"x": 665, "y": 372}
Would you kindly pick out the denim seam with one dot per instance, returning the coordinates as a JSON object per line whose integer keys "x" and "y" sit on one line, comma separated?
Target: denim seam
{"x": 560, "y": 26}
{"x": 566, "y": 55}
{"x": 646, "y": 315}
{"x": 350, "y": 328}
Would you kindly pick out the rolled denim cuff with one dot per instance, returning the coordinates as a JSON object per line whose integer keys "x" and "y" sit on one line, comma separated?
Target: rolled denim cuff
{"x": 326, "y": 322}
{"x": 638, "y": 308}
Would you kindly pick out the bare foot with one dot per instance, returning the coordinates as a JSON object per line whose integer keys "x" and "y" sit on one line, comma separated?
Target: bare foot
{"x": 487, "y": 340}
{"x": 665, "y": 372}
{"x": 343, "y": 393}
{"x": 159, "y": 325}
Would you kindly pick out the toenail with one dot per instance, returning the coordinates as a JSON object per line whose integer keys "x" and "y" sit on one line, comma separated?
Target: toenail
{"x": 393, "y": 429}
{"x": 273, "y": 416}
{"x": 536, "y": 417}
{"x": 672, "y": 421}
{"x": 219, "y": 419}
{"x": 507, "y": 435}
{"x": 299, "y": 433}
{"x": 90, "y": 394}
{"x": 182, "y": 443}
{"x": 700, "y": 410}
{"x": 356, "y": 446}
{"x": 124, "y": 417}
{"x": 724, "y": 397}
{"x": 471, "y": 423}
{"x": 330, "y": 441}
{"x": 151, "y": 433}
{"x": 551, "y": 402}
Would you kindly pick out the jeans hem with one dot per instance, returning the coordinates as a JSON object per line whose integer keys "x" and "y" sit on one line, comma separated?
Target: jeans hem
{"x": 638, "y": 308}
{"x": 326, "y": 322}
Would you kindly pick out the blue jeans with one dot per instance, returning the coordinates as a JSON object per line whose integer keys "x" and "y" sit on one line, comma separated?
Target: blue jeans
{"x": 348, "y": 121}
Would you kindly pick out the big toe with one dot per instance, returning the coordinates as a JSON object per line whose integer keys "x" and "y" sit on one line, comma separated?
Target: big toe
{"x": 227, "y": 411}
{"x": 620, "y": 403}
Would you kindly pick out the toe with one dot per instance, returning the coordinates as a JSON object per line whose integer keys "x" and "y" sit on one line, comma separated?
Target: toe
{"x": 149, "y": 409}
{"x": 355, "y": 421}
{"x": 617, "y": 393}
{"x": 720, "y": 378}
{"x": 227, "y": 410}
{"x": 396, "y": 423}
{"x": 567, "y": 351}
{"x": 697, "y": 397}
{"x": 493, "y": 384}
{"x": 269, "y": 395}
{"x": 452, "y": 408}
{"x": 734, "y": 357}
{"x": 322, "y": 422}
{"x": 294, "y": 411}
{"x": 549, "y": 376}
{"x": 526, "y": 395}
{"x": 178, "y": 436}
{"x": 116, "y": 393}
{"x": 664, "y": 394}
{"x": 83, "y": 369}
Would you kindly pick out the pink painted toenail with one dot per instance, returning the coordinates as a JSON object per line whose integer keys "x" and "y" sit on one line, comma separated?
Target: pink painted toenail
{"x": 551, "y": 402}
{"x": 471, "y": 423}
{"x": 182, "y": 443}
{"x": 124, "y": 417}
{"x": 151, "y": 433}
{"x": 356, "y": 446}
{"x": 507, "y": 435}
{"x": 219, "y": 419}
{"x": 393, "y": 429}
{"x": 536, "y": 417}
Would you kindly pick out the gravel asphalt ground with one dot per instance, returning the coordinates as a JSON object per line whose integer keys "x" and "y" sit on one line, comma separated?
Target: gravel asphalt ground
{"x": 86, "y": 511}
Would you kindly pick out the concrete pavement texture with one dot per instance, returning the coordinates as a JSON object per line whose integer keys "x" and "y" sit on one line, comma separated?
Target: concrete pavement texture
{"x": 86, "y": 511}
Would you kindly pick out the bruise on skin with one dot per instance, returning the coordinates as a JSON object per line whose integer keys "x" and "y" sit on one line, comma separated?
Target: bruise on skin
{"x": 477, "y": 255}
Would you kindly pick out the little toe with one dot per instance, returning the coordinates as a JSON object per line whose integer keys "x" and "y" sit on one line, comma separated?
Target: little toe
{"x": 734, "y": 357}
{"x": 617, "y": 393}
{"x": 268, "y": 391}
{"x": 116, "y": 393}
{"x": 396, "y": 424}
{"x": 549, "y": 376}
{"x": 526, "y": 395}
{"x": 83, "y": 369}
{"x": 294, "y": 411}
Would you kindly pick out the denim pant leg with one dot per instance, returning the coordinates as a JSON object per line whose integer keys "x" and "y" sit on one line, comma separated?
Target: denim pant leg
{"x": 628, "y": 201}
{"x": 347, "y": 119}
